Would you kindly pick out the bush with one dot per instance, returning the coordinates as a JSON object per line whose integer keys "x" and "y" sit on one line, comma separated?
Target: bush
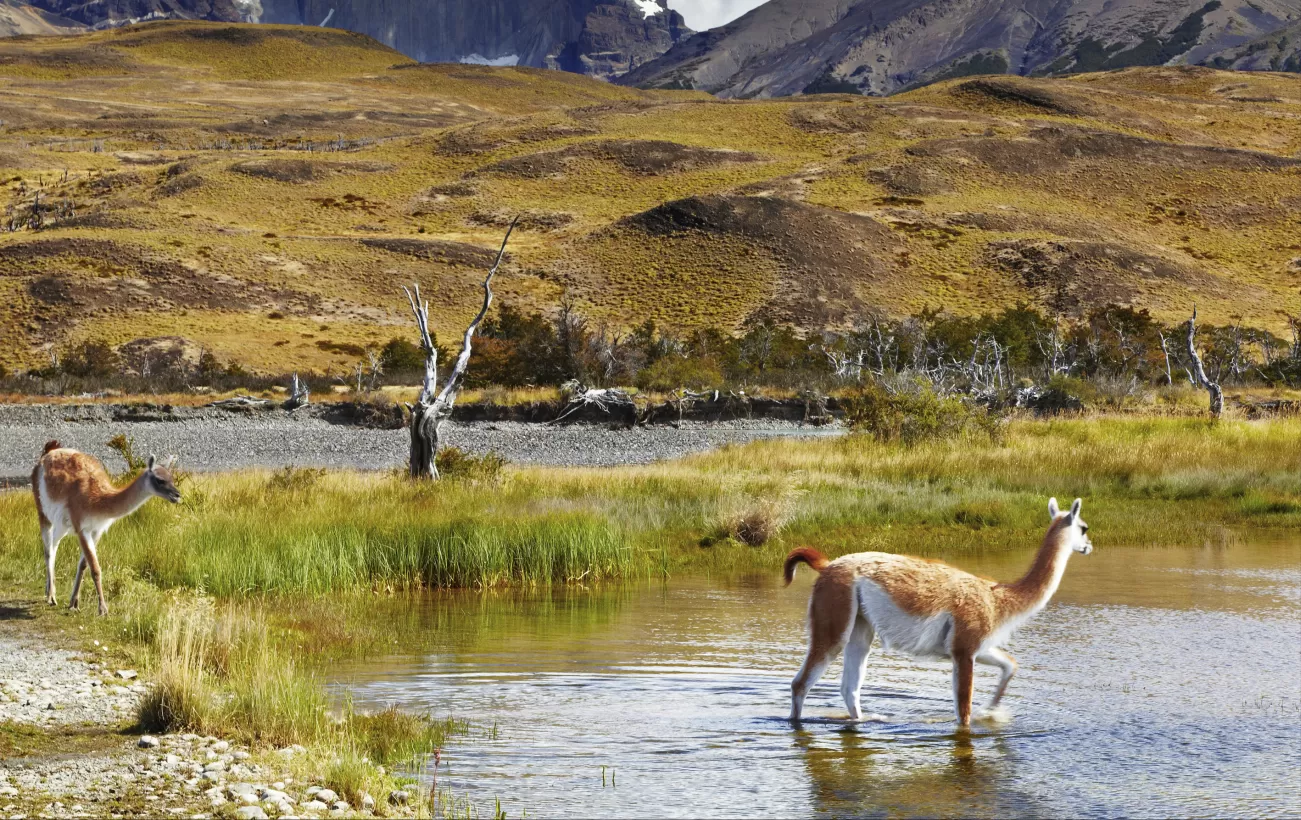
{"x": 125, "y": 446}
{"x": 454, "y": 464}
{"x": 400, "y": 356}
{"x": 291, "y": 479}
{"x": 916, "y": 415}
{"x": 755, "y": 527}
{"x": 91, "y": 359}
{"x": 672, "y": 372}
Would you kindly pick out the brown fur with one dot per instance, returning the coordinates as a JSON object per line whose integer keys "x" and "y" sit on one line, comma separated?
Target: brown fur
{"x": 816, "y": 560}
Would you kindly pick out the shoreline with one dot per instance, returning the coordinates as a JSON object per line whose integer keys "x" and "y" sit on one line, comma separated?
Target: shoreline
{"x": 219, "y": 441}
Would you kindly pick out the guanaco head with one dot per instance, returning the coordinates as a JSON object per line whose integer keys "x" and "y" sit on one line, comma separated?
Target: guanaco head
{"x": 1075, "y": 530}
{"x": 159, "y": 481}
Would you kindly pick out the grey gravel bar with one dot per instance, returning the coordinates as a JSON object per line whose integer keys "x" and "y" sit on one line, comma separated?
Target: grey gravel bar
{"x": 218, "y": 442}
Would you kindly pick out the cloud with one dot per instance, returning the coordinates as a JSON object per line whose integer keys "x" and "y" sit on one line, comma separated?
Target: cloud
{"x": 705, "y": 14}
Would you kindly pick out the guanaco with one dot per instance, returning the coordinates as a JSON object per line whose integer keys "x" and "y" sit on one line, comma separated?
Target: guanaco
{"x": 74, "y": 494}
{"x": 926, "y": 609}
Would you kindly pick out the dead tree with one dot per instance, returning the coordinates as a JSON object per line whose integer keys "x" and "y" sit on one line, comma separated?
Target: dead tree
{"x": 299, "y": 395}
{"x": 432, "y": 408}
{"x": 1199, "y": 372}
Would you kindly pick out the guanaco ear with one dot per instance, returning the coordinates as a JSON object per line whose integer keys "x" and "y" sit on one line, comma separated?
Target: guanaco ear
{"x": 1075, "y": 508}
{"x": 1053, "y": 509}
{"x": 149, "y": 465}
{"x": 171, "y": 462}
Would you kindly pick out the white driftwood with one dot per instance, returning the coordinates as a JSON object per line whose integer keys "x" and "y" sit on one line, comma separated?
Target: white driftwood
{"x": 433, "y": 405}
{"x": 1199, "y": 372}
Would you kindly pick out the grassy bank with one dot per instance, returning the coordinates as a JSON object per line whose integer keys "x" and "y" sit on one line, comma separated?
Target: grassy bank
{"x": 234, "y": 598}
{"x": 1156, "y": 481}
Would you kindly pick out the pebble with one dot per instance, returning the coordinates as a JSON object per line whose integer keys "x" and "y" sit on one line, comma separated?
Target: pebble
{"x": 250, "y": 813}
{"x": 127, "y": 674}
{"x": 367, "y": 802}
{"x": 314, "y": 805}
{"x": 225, "y": 442}
{"x": 327, "y": 796}
{"x": 398, "y": 797}
{"x": 148, "y": 742}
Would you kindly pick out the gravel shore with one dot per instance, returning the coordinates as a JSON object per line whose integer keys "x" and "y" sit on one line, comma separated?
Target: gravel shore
{"x": 74, "y": 700}
{"x": 218, "y": 441}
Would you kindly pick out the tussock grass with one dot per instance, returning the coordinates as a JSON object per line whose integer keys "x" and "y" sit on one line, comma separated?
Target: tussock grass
{"x": 1146, "y": 481}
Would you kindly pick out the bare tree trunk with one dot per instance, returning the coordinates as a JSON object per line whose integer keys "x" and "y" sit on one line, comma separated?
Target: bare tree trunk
{"x": 434, "y": 406}
{"x": 299, "y": 395}
{"x": 1165, "y": 349}
{"x": 1199, "y": 372}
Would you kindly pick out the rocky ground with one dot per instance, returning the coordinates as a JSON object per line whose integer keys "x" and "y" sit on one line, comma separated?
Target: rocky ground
{"x": 66, "y": 751}
{"x": 216, "y": 440}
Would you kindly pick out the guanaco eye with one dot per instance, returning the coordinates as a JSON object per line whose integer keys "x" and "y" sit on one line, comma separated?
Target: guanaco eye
{"x": 1084, "y": 528}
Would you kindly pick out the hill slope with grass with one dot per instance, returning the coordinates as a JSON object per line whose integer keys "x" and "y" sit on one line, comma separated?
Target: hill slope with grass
{"x": 264, "y": 192}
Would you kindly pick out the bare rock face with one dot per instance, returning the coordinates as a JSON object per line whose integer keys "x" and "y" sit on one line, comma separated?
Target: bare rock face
{"x": 109, "y": 13}
{"x": 601, "y": 38}
{"x": 884, "y": 46}
{"x": 618, "y": 36}
{"x": 598, "y": 37}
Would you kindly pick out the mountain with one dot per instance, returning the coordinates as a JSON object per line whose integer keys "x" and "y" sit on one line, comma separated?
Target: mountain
{"x": 601, "y": 38}
{"x": 263, "y": 191}
{"x": 881, "y": 47}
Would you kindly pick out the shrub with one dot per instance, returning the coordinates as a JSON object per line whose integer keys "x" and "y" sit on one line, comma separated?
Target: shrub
{"x": 125, "y": 446}
{"x": 918, "y": 414}
{"x": 91, "y": 359}
{"x": 399, "y": 355}
{"x": 755, "y": 527}
{"x": 672, "y": 372}
{"x": 291, "y": 479}
{"x": 454, "y": 464}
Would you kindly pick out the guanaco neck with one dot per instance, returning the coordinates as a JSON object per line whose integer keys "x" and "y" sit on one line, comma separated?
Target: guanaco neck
{"x": 1037, "y": 586}
{"x": 123, "y": 501}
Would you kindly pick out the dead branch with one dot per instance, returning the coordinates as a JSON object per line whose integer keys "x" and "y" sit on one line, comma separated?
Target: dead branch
{"x": 1199, "y": 372}
{"x": 433, "y": 406}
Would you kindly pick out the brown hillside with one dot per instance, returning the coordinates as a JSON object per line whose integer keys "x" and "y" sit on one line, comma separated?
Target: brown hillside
{"x": 194, "y": 180}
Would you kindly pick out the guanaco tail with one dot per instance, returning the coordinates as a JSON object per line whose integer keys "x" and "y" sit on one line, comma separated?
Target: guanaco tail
{"x": 74, "y": 494}
{"x": 926, "y": 609}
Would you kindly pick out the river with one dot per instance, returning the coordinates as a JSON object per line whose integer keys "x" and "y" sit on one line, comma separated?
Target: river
{"x": 1159, "y": 682}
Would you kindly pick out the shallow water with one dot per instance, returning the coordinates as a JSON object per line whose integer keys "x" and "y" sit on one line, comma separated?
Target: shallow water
{"x": 1160, "y": 682}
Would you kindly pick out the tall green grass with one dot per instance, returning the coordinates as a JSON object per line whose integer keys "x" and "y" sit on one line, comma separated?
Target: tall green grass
{"x": 1145, "y": 481}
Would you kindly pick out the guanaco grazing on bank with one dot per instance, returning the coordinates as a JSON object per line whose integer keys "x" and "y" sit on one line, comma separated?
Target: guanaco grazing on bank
{"x": 74, "y": 494}
{"x": 926, "y": 609}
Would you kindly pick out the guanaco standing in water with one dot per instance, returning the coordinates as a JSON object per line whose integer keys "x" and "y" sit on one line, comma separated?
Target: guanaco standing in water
{"x": 74, "y": 494}
{"x": 926, "y": 609}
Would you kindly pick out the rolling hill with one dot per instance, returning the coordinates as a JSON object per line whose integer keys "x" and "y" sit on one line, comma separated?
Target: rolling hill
{"x": 264, "y": 191}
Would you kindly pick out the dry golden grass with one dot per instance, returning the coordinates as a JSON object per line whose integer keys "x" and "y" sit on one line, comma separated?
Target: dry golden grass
{"x": 190, "y": 245}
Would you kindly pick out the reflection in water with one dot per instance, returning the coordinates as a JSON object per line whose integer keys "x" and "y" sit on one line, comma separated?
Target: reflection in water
{"x": 1161, "y": 682}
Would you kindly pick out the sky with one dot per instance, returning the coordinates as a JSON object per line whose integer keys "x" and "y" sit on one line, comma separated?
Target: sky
{"x": 704, "y": 14}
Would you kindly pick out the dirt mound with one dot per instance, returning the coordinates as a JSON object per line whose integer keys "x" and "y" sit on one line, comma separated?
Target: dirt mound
{"x": 528, "y": 220}
{"x": 1051, "y": 149}
{"x": 301, "y": 171}
{"x": 825, "y": 255}
{"x": 910, "y": 180}
{"x": 852, "y": 118}
{"x": 179, "y": 185}
{"x": 101, "y": 275}
{"x": 640, "y": 157}
{"x": 1024, "y": 94}
{"x": 1073, "y": 276}
{"x": 436, "y": 250}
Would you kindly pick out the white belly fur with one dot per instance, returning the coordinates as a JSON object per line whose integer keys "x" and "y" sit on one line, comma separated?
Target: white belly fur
{"x": 922, "y": 637}
{"x": 56, "y": 513}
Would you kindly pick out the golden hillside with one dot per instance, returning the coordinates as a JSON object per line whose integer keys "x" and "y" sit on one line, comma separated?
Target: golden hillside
{"x": 176, "y": 194}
